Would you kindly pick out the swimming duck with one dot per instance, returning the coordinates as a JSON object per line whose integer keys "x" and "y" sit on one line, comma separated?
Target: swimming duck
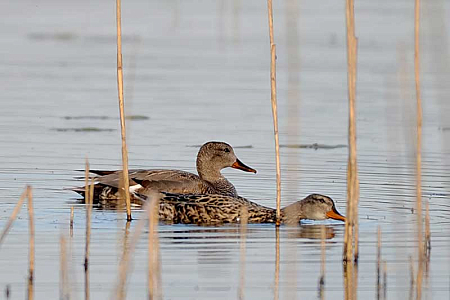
{"x": 218, "y": 209}
{"x": 211, "y": 159}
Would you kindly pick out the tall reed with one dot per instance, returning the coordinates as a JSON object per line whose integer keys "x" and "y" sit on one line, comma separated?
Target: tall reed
{"x": 412, "y": 278}
{"x": 418, "y": 152}
{"x": 351, "y": 224}
{"x": 273, "y": 99}
{"x": 71, "y": 221}
{"x": 8, "y": 292}
{"x": 379, "y": 263}
{"x": 427, "y": 244}
{"x": 276, "y": 289}
{"x": 30, "y": 244}
{"x": 125, "y": 179}
{"x": 124, "y": 263}
{"x": 154, "y": 280}
{"x": 243, "y": 232}
{"x": 88, "y": 199}
{"x": 322, "y": 263}
{"x": 13, "y": 216}
{"x": 63, "y": 290}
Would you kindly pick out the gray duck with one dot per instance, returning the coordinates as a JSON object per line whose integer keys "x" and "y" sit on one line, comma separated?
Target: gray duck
{"x": 211, "y": 159}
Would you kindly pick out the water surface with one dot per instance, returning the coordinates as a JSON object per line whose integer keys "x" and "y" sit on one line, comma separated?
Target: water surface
{"x": 199, "y": 71}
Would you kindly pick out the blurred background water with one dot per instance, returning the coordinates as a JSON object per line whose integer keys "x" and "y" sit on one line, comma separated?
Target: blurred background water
{"x": 197, "y": 71}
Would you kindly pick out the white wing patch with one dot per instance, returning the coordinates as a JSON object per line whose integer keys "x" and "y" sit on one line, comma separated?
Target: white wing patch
{"x": 135, "y": 187}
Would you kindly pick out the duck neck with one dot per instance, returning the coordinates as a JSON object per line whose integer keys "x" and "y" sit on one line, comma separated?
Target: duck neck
{"x": 208, "y": 172}
{"x": 291, "y": 214}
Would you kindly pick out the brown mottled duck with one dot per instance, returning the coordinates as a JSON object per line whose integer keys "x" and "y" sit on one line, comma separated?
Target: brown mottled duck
{"x": 218, "y": 209}
{"x": 211, "y": 159}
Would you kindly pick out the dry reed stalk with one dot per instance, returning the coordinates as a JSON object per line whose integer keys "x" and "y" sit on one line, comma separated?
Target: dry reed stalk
{"x": 322, "y": 263}
{"x": 88, "y": 198}
{"x": 13, "y": 216}
{"x": 153, "y": 254}
{"x": 427, "y": 245}
{"x": 124, "y": 262}
{"x": 8, "y": 292}
{"x": 411, "y": 280}
{"x": 273, "y": 99}
{"x": 30, "y": 244}
{"x": 350, "y": 274}
{"x": 418, "y": 152}
{"x": 384, "y": 280}
{"x": 348, "y": 280}
{"x": 156, "y": 257}
{"x": 351, "y": 238}
{"x": 125, "y": 243}
{"x": 378, "y": 263}
{"x": 64, "y": 295}
{"x": 126, "y": 182}
{"x": 71, "y": 221}
{"x": 355, "y": 280}
{"x": 243, "y": 231}
{"x": 411, "y": 270}
{"x": 277, "y": 264}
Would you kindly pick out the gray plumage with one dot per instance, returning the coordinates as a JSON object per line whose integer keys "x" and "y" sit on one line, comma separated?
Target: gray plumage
{"x": 211, "y": 159}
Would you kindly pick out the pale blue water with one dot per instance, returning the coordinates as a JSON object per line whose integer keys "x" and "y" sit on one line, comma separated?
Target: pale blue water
{"x": 200, "y": 71}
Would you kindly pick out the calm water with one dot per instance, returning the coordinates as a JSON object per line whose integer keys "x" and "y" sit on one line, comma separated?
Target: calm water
{"x": 199, "y": 71}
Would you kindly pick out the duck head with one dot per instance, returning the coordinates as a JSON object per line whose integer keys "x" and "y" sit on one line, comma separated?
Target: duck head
{"x": 313, "y": 207}
{"x": 214, "y": 156}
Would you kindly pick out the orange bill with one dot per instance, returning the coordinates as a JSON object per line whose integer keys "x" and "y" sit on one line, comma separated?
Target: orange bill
{"x": 241, "y": 166}
{"x": 334, "y": 214}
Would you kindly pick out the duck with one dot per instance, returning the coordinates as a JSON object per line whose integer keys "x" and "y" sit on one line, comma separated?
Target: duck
{"x": 211, "y": 159}
{"x": 219, "y": 209}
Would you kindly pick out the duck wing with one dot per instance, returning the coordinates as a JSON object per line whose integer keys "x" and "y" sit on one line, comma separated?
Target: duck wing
{"x": 176, "y": 186}
{"x": 113, "y": 179}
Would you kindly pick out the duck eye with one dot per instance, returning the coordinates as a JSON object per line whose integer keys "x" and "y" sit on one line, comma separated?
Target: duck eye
{"x": 226, "y": 150}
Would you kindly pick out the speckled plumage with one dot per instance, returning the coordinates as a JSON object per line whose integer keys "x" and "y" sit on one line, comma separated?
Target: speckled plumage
{"x": 212, "y": 157}
{"x": 218, "y": 209}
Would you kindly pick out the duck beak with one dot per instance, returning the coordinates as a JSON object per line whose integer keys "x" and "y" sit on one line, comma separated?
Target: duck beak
{"x": 241, "y": 166}
{"x": 334, "y": 214}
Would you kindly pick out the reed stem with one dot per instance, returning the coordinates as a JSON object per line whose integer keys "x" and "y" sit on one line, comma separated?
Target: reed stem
{"x": 13, "y": 216}
{"x": 64, "y": 295}
{"x": 153, "y": 255}
{"x": 8, "y": 292}
{"x": 71, "y": 221}
{"x": 379, "y": 263}
{"x": 322, "y": 263}
{"x": 124, "y": 263}
{"x": 88, "y": 196}
{"x": 418, "y": 152}
{"x": 273, "y": 98}
{"x": 384, "y": 280}
{"x": 243, "y": 231}
{"x": 125, "y": 178}
{"x": 277, "y": 264}
{"x": 30, "y": 244}
{"x": 427, "y": 244}
{"x": 351, "y": 237}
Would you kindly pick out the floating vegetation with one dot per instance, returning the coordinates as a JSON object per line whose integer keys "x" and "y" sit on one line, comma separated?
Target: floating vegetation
{"x": 314, "y": 146}
{"x": 131, "y": 117}
{"x": 137, "y": 117}
{"x": 84, "y": 129}
{"x": 87, "y": 118}
{"x": 56, "y": 36}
